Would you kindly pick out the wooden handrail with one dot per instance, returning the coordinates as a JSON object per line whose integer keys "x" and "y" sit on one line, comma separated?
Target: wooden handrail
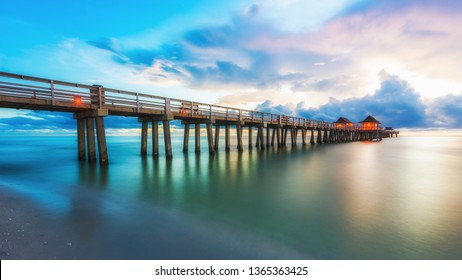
{"x": 137, "y": 100}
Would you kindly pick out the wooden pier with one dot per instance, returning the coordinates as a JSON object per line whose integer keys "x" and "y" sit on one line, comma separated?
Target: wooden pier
{"x": 90, "y": 104}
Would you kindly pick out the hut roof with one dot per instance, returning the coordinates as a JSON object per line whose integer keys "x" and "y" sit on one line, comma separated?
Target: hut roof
{"x": 343, "y": 120}
{"x": 370, "y": 119}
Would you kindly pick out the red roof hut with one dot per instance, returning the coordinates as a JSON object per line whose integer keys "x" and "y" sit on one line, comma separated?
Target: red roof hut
{"x": 370, "y": 123}
{"x": 343, "y": 123}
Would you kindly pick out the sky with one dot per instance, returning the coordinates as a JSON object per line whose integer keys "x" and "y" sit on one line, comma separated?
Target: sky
{"x": 397, "y": 60}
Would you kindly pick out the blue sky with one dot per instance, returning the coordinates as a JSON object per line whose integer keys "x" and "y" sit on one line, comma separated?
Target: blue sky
{"x": 396, "y": 60}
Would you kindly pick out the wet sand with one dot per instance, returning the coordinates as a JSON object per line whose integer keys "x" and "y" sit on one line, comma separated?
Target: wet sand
{"x": 29, "y": 232}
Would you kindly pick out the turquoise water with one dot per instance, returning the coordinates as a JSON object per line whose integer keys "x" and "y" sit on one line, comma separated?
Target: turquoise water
{"x": 397, "y": 199}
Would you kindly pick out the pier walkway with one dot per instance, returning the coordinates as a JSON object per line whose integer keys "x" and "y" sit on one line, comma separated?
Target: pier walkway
{"x": 91, "y": 103}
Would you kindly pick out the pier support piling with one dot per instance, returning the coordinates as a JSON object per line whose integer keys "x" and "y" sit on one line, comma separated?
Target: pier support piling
{"x": 278, "y": 136}
{"x": 319, "y": 136}
{"x": 239, "y": 137}
{"x": 217, "y": 136}
{"x": 155, "y": 138}
{"x": 273, "y": 136}
{"x": 144, "y": 138}
{"x": 90, "y": 126}
{"x": 186, "y": 138}
{"x": 197, "y": 134}
{"x": 101, "y": 136}
{"x": 210, "y": 139}
{"x": 250, "y": 138}
{"x": 81, "y": 139}
{"x": 227, "y": 139}
{"x": 167, "y": 138}
{"x": 262, "y": 137}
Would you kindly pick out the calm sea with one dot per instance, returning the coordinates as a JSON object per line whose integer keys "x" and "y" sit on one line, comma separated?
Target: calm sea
{"x": 397, "y": 199}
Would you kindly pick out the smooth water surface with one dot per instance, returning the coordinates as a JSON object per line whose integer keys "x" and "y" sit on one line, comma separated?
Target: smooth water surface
{"x": 396, "y": 199}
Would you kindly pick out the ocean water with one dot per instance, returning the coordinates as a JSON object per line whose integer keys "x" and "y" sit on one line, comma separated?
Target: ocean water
{"x": 396, "y": 199}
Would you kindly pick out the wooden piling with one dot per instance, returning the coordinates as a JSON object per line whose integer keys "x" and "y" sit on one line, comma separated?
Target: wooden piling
{"x": 312, "y": 137}
{"x": 186, "y": 138}
{"x": 81, "y": 139}
{"x": 257, "y": 142}
{"x": 268, "y": 136}
{"x": 278, "y": 136}
{"x": 167, "y": 138}
{"x": 197, "y": 138}
{"x": 273, "y": 136}
{"x": 144, "y": 138}
{"x": 217, "y": 136}
{"x": 304, "y": 136}
{"x": 227, "y": 139}
{"x": 319, "y": 138}
{"x": 326, "y": 138}
{"x": 155, "y": 138}
{"x": 292, "y": 136}
{"x": 210, "y": 139}
{"x": 284, "y": 139}
{"x": 262, "y": 138}
{"x": 101, "y": 136}
{"x": 91, "y": 148}
{"x": 250, "y": 138}
{"x": 239, "y": 138}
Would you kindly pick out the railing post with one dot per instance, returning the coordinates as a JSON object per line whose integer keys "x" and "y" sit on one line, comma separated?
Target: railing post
{"x": 168, "y": 110}
{"x": 137, "y": 102}
{"x": 52, "y": 87}
{"x": 100, "y": 98}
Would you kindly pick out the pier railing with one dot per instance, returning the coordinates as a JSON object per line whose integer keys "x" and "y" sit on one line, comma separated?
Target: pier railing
{"x": 75, "y": 97}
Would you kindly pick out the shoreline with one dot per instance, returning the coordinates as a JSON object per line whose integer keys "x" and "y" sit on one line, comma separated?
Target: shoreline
{"x": 28, "y": 232}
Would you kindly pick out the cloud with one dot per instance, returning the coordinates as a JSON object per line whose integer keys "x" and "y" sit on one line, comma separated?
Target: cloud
{"x": 251, "y": 52}
{"x": 446, "y": 111}
{"x": 395, "y": 103}
{"x": 272, "y": 50}
{"x": 223, "y": 56}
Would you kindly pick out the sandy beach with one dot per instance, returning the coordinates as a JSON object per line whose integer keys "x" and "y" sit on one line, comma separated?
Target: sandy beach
{"x": 29, "y": 232}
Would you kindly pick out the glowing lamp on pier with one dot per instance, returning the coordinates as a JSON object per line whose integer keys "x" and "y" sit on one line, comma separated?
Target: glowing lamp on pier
{"x": 77, "y": 100}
